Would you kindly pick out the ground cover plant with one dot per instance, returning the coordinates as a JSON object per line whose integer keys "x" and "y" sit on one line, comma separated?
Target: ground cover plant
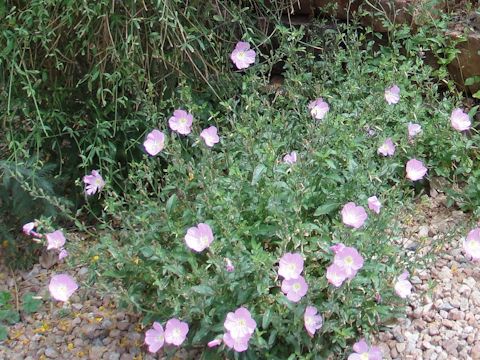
{"x": 257, "y": 221}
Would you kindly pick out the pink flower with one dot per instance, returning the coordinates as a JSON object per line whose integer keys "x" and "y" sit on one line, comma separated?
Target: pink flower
{"x": 237, "y": 344}
{"x": 175, "y": 332}
{"x": 364, "y": 352}
{"x": 290, "y": 158}
{"x": 414, "y": 129}
{"x": 199, "y": 237}
{"x": 318, "y": 108}
{"x": 181, "y": 122}
{"x": 228, "y": 265}
{"x": 471, "y": 244}
{"x": 242, "y": 56}
{"x": 415, "y": 170}
{"x": 460, "y": 121}
{"x": 392, "y": 95}
{"x": 55, "y": 240}
{"x": 240, "y": 324}
{"x": 387, "y": 148}
{"x": 155, "y": 142}
{"x": 93, "y": 182}
{"x": 374, "y": 204}
{"x": 403, "y": 287}
{"x": 209, "y": 135}
{"x": 295, "y": 289}
{"x": 312, "y": 321}
{"x": 155, "y": 337}
{"x": 337, "y": 247}
{"x": 62, "y": 254}
{"x": 349, "y": 260}
{"x": 353, "y": 215}
{"x": 214, "y": 343}
{"x": 28, "y": 228}
{"x": 336, "y": 275}
{"x": 62, "y": 287}
{"x": 290, "y": 266}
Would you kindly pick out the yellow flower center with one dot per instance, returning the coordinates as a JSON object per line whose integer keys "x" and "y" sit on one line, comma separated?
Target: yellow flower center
{"x": 296, "y": 287}
{"x": 241, "y": 55}
{"x": 348, "y": 260}
{"x": 364, "y": 356}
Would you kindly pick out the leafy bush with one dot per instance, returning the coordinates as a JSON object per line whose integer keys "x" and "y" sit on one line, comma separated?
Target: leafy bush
{"x": 261, "y": 208}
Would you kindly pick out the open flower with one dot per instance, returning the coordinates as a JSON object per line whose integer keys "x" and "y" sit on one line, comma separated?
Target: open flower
{"x": 364, "y": 352}
{"x": 55, "y": 240}
{"x": 242, "y": 56}
{"x": 403, "y": 287}
{"x": 175, "y": 332}
{"x": 93, "y": 182}
{"x": 295, "y": 289}
{"x": 392, "y": 95}
{"x": 349, "y": 260}
{"x": 471, "y": 244}
{"x": 181, "y": 122}
{"x": 62, "y": 286}
{"x": 353, "y": 215}
{"x": 290, "y": 158}
{"x": 290, "y": 266}
{"x": 155, "y": 142}
{"x": 414, "y": 129}
{"x": 374, "y": 204}
{"x": 460, "y": 120}
{"x": 240, "y": 324}
{"x": 155, "y": 337}
{"x": 312, "y": 320}
{"x": 318, "y": 108}
{"x": 336, "y": 275}
{"x": 237, "y": 344}
{"x": 415, "y": 170}
{"x": 387, "y": 148}
{"x": 199, "y": 237}
{"x": 209, "y": 135}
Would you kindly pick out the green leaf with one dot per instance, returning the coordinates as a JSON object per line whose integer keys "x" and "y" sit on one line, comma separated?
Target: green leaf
{"x": 257, "y": 173}
{"x": 10, "y": 316}
{"x": 30, "y": 304}
{"x": 472, "y": 80}
{"x": 267, "y": 317}
{"x": 477, "y": 95}
{"x": 5, "y": 298}
{"x": 203, "y": 290}
{"x": 3, "y": 333}
{"x": 326, "y": 209}
{"x": 171, "y": 202}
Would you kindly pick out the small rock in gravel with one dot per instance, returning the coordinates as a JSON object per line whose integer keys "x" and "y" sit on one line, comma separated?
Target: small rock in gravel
{"x": 123, "y": 325}
{"x": 51, "y": 353}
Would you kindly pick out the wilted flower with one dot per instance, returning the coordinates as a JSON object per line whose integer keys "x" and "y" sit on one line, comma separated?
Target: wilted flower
{"x": 387, "y": 148}
{"x": 229, "y": 265}
{"x": 349, "y": 260}
{"x": 175, "y": 332}
{"x": 155, "y": 142}
{"x": 237, "y": 344}
{"x": 471, "y": 244}
{"x": 214, "y": 343}
{"x": 242, "y": 56}
{"x": 290, "y": 158}
{"x": 460, "y": 121}
{"x": 28, "y": 228}
{"x": 312, "y": 320}
{"x": 93, "y": 182}
{"x": 318, "y": 108}
{"x": 62, "y": 286}
{"x": 181, "y": 122}
{"x": 336, "y": 275}
{"x": 337, "y": 247}
{"x": 415, "y": 170}
{"x": 374, "y": 204}
{"x": 62, "y": 254}
{"x": 295, "y": 289}
{"x": 55, "y": 240}
{"x": 290, "y": 266}
{"x": 392, "y": 95}
{"x": 209, "y": 135}
{"x": 199, "y": 237}
{"x": 414, "y": 129}
{"x": 353, "y": 215}
{"x": 240, "y": 324}
{"x": 155, "y": 337}
{"x": 364, "y": 352}
{"x": 403, "y": 287}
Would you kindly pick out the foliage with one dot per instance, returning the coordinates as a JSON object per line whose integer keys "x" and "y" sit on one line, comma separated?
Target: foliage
{"x": 260, "y": 208}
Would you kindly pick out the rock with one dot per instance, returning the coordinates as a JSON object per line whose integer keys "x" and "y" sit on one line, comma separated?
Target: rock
{"x": 123, "y": 325}
{"x": 51, "y": 353}
{"x": 475, "y": 354}
{"x": 113, "y": 356}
